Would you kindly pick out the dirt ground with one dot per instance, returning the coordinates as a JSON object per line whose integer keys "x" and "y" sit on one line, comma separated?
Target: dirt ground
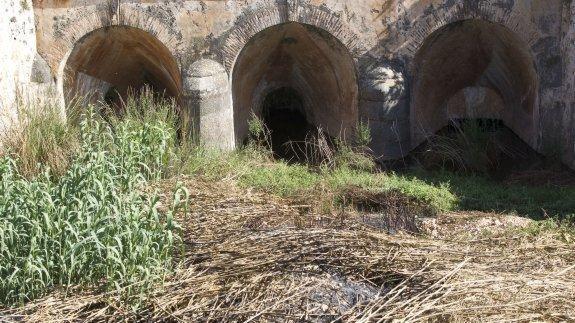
{"x": 251, "y": 257}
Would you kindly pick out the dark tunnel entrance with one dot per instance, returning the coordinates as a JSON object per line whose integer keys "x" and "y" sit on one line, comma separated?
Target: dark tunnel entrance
{"x": 283, "y": 113}
{"x": 474, "y": 90}
{"x": 111, "y": 63}
{"x": 297, "y": 78}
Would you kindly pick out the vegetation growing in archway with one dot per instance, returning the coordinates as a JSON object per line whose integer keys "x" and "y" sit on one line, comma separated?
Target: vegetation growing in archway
{"x": 306, "y": 59}
{"x": 470, "y": 71}
{"x": 109, "y": 63}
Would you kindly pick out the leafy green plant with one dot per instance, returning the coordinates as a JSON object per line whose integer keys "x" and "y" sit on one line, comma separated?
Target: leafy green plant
{"x": 259, "y": 134}
{"x": 92, "y": 226}
{"x": 363, "y": 134}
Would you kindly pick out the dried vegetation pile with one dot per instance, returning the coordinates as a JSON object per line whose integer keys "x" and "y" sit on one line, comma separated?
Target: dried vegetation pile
{"x": 251, "y": 257}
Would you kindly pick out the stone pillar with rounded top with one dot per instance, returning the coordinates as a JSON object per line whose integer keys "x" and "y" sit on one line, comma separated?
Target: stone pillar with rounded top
{"x": 383, "y": 106}
{"x": 208, "y": 96}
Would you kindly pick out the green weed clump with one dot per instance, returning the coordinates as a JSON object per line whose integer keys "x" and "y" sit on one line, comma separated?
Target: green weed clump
{"x": 563, "y": 228}
{"x": 259, "y": 134}
{"x": 93, "y": 225}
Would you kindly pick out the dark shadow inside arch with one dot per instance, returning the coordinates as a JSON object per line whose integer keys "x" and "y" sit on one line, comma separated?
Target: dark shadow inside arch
{"x": 473, "y": 70}
{"x": 111, "y": 63}
{"x": 296, "y": 77}
{"x": 283, "y": 112}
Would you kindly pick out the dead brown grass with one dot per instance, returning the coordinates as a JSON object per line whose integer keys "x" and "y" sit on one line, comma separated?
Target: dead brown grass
{"x": 250, "y": 257}
{"x": 42, "y": 139}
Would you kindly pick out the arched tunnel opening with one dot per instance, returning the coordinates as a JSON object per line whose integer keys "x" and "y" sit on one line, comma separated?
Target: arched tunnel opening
{"x": 474, "y": 91}
{"x": 111, "y": 63}
{"x": 296, "y": 78}
{"x": 283, "y": 113}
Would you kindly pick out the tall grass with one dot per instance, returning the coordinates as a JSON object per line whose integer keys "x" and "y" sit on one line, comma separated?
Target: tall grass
{"x": 43, "y": 139}
{"x": 93, "y": 225}
{"x": 472, "y": 147}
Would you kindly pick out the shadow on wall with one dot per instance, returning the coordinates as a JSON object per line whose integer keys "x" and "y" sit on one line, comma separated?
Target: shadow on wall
{"x": 308, "y": 62}
{"x": 109, "y": 63}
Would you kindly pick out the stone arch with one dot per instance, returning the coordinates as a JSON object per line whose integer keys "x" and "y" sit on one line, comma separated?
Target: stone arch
{"x": 109, "y": 62}
{"x": 303, "y": 58}
{"x": 517, "y": 22}
{"x": 103, "y": 16}
{"x": 474, "y": 69}
{"x": 267, "y": 15}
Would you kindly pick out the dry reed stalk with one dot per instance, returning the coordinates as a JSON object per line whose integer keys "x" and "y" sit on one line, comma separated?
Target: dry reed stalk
{"x": 250, "y": 257}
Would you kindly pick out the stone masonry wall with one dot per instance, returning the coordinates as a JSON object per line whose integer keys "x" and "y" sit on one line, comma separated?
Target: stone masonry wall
{"x": 566, "y": 117}
{"x": 382, "y": 36}
{"x": 17, "y": 52}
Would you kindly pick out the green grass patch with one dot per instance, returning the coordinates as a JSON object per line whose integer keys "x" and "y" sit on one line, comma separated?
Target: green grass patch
{"x": 476, "y": 192}
{"x": 281, "y": 179}
{"x": 298, "y": 180}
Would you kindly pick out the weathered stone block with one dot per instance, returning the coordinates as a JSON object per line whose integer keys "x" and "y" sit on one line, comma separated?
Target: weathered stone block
{"x": 208, "y": 95}
{"x": 40, "y": 71}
